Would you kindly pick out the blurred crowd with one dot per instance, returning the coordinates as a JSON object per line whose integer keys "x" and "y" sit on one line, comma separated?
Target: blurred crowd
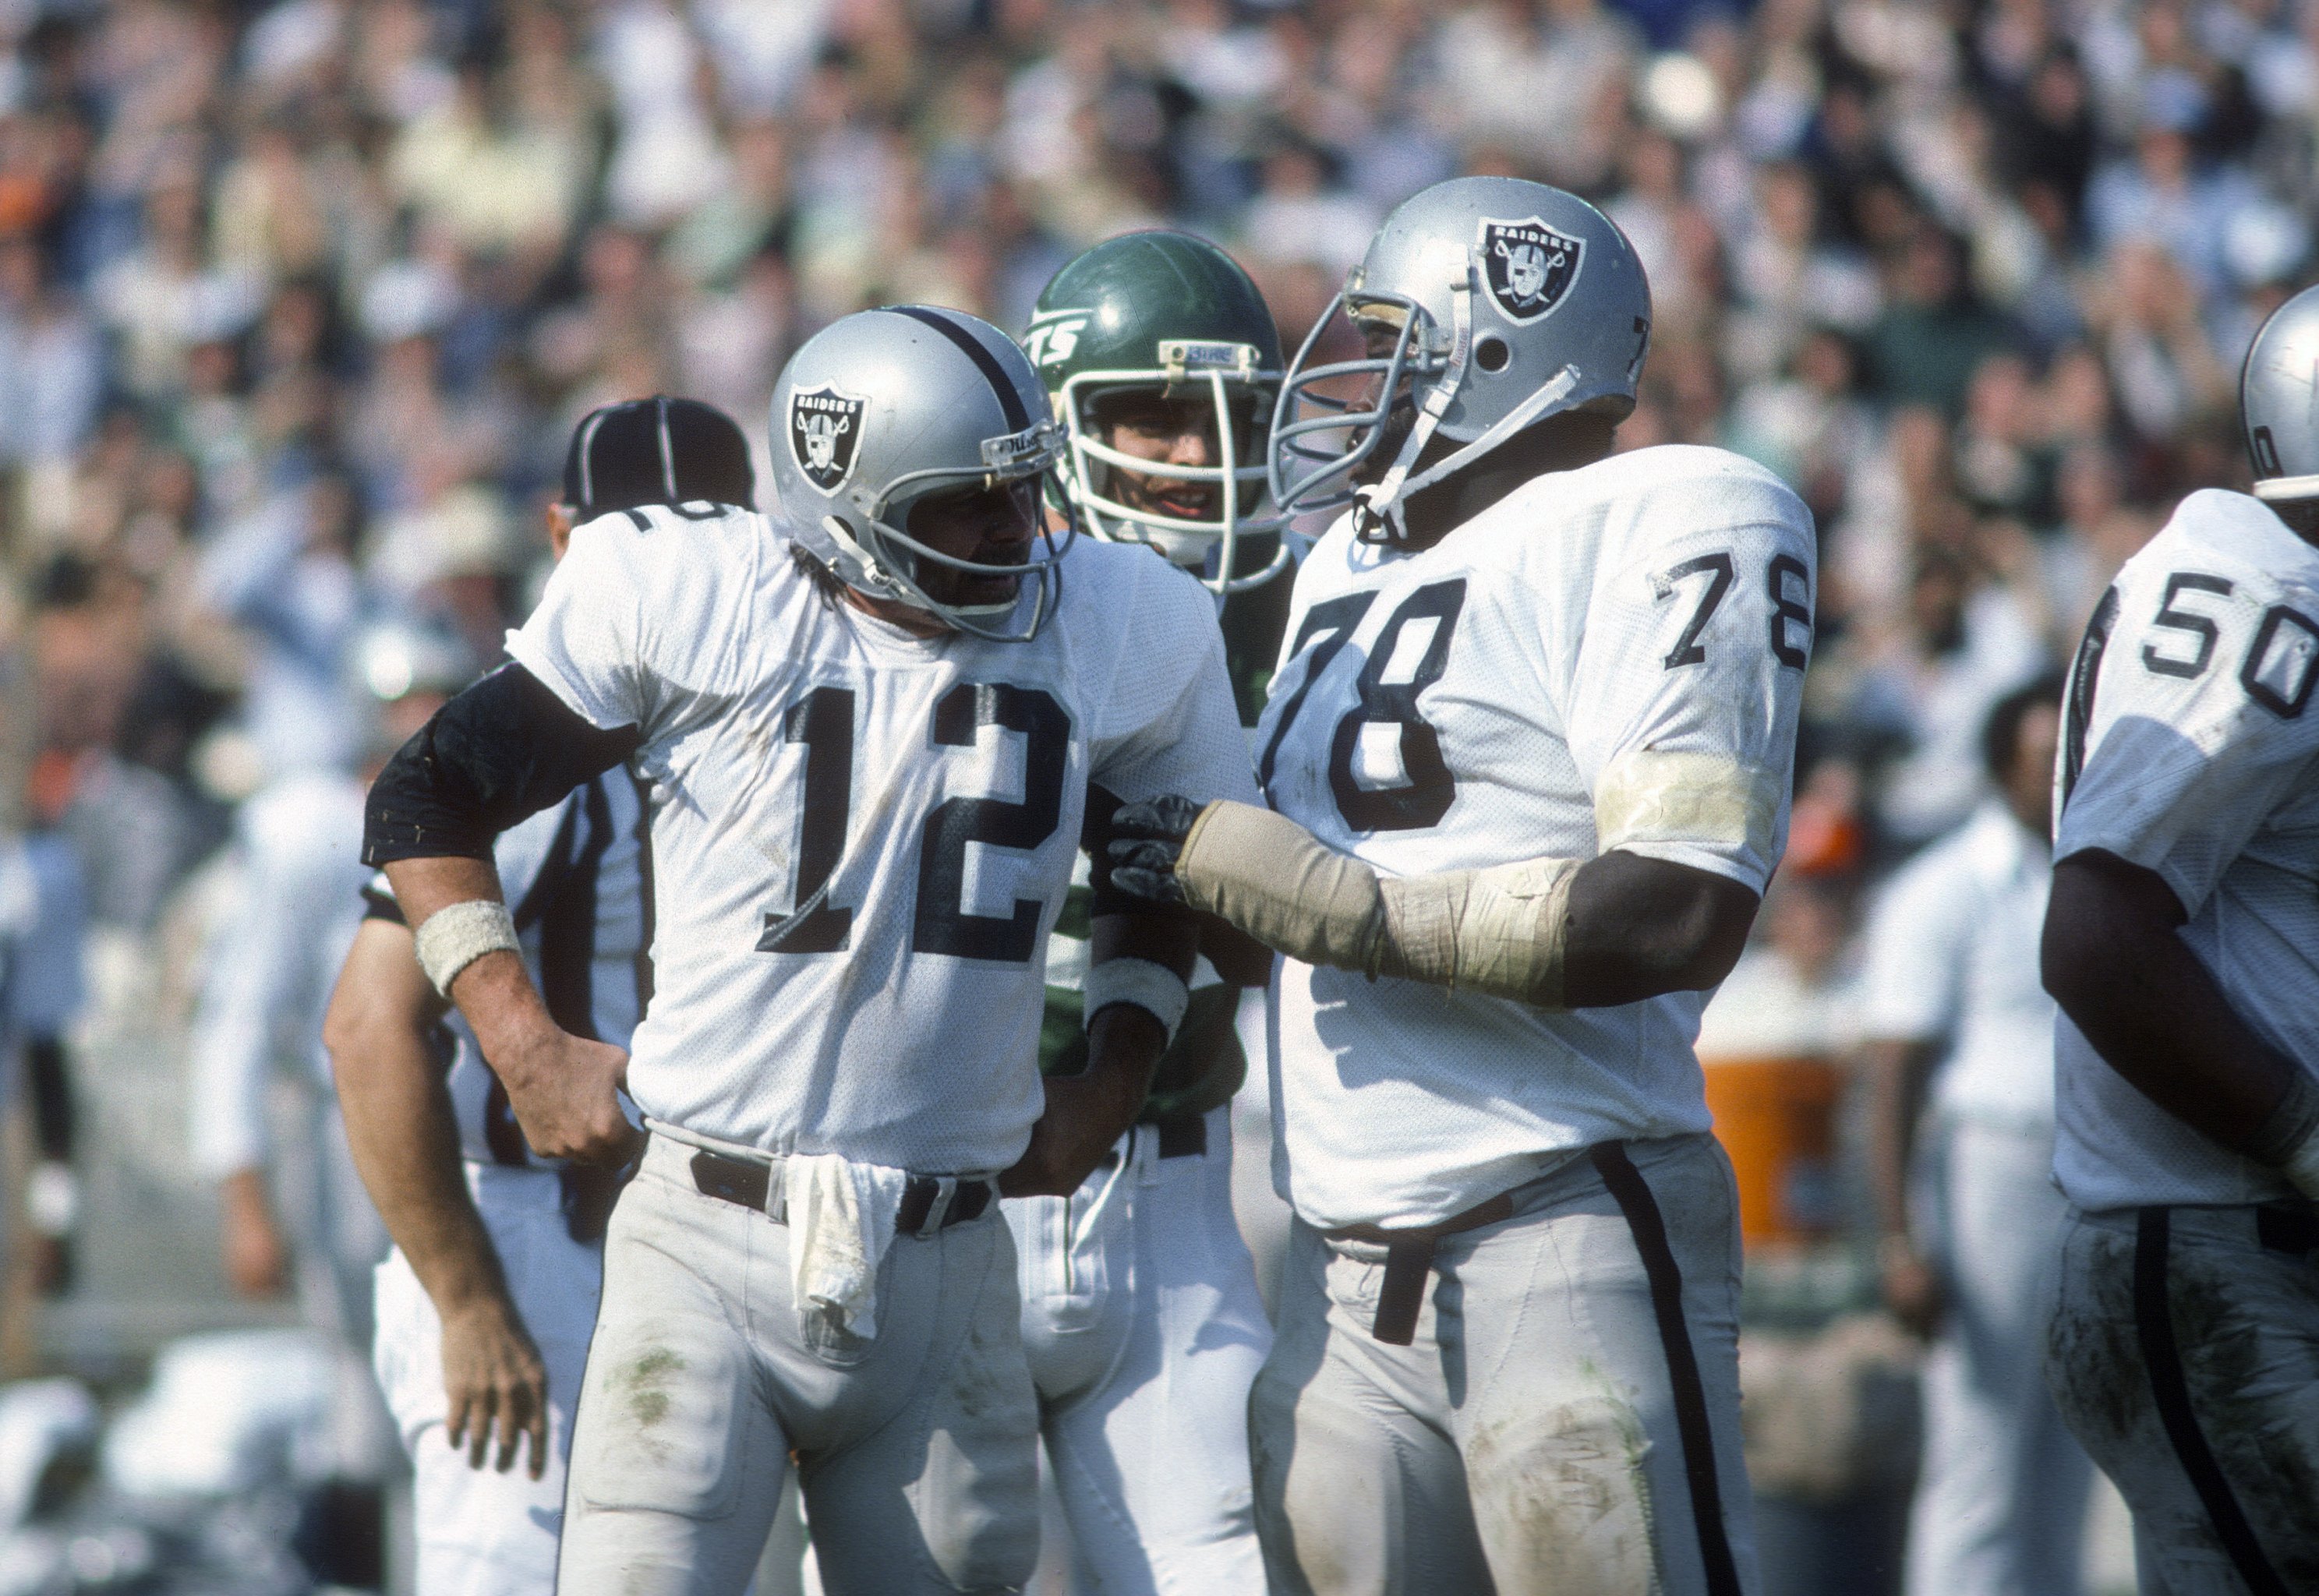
{"x": 299, "y": 301}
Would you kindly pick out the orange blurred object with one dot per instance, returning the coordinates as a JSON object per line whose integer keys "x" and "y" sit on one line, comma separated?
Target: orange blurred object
{"x": 25, "y": 201}
{"x": 1823, "y": 839}
{"x": 1776, "y": 1117}
{"x": 54, "y": 779}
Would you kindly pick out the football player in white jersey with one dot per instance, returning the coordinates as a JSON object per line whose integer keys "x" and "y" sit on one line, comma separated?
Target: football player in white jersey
{"x": 867, "y": 737}
{"x": 2182, "y": 943}
{"x": 1529, "y": 757}
{"x": 1141, "y": 1314}
{"x": 486, "y": 1305}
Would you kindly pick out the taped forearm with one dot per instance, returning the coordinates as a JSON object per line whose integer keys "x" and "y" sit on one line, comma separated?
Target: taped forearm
{"x": 1501, "y": 931}
{"x": 504, "y": 749}
{"x": 1274, "y": 880}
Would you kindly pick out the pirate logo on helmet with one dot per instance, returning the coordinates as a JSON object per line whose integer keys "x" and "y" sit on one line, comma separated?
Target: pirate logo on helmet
{"x": 1527, "y": 266}
{"x": 825, "y": 435}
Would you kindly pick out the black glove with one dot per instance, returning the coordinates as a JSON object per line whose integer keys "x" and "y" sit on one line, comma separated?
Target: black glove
{"x": 1148, "y": 837}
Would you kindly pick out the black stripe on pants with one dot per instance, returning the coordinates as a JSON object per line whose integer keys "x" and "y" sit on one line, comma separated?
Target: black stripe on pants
{"x": 1649, "y": 1228}
{"x": 2154, "y": 1322}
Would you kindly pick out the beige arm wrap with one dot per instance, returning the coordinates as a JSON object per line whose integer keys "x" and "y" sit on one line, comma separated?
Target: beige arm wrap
{"x": 1500, "y": 931}
{"x": 1276, "y": 881}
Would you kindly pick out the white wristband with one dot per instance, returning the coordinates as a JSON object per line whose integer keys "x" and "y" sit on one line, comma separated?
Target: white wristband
{"x": 456, "y": 936}
{"x": 1153, "y": 988}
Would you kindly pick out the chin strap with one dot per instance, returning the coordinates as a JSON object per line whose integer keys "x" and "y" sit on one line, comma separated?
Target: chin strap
{"x": 2286, "y": 489}
{"x": 872, "y": 573}
{"x": 1372, "y": 505}
{"x": 1384, "y": 505}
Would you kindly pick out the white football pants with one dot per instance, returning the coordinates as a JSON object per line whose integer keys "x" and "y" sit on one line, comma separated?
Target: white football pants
{"x": 917, "y": 1450}
{"x": 2000, "y": 1503}
{"x": 1144, "y": 1331}
{"x": 481, "y": 1532}
{"x": 2184, "y": 1351}
{"x": 1567, "y": 1419}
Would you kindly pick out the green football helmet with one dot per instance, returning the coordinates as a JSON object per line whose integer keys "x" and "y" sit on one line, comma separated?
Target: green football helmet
{"x": 1168, "y": 313}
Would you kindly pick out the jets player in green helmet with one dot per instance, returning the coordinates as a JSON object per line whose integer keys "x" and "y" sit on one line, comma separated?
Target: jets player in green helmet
{"x": 1163, "y": 365}
{"x": 1141, "y": 1313}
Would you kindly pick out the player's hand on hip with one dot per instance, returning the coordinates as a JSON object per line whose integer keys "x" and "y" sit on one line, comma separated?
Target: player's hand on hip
{"x": 495, "y": 1382}
{"x": 1148, "y": 840}
{"x": 566, "y": 1093}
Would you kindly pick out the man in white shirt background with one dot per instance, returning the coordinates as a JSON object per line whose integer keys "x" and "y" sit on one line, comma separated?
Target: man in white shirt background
{"x": 1960, "y": 1052}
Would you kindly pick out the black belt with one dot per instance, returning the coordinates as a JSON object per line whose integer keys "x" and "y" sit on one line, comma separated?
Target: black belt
{"x": 746, "y": 1184}
{"x": 1409, "y": 1259}
{"x": 1186, "y": 1136}
{"x": 2283, "y": 1228}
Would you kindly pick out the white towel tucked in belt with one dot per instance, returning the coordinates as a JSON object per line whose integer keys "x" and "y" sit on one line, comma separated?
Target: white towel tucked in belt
{"x": 841, "y": 1222}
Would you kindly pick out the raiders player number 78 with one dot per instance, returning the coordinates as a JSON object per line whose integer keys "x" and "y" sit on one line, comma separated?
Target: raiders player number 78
{"x": 1527, "y": 761}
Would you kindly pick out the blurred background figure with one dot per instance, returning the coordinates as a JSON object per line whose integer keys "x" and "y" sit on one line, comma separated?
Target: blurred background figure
{"x": 1960, "y": 1056}
{"x": 266, "y": 1122}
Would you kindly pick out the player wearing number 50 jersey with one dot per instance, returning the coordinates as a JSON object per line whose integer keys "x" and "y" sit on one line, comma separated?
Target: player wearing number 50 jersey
{"x": 2182, "y": 943}
{"x": 866, "y": 737}
{"x": 1528, "y": 757}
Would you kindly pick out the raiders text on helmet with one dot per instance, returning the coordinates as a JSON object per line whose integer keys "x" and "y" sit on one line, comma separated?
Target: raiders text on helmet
{"x": 1171, "y": 314}
{"x": 2278, "y": 402}
{"x": 883, "y": 408}
{"x": 1509, "y": 302}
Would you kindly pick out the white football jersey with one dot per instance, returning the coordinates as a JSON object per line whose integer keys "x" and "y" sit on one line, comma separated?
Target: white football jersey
{"x": 1611, "y": 657}
{"x": 575, "y": 876}
{"x": 860, "y": 839}
{"x": 2186, "y": 749}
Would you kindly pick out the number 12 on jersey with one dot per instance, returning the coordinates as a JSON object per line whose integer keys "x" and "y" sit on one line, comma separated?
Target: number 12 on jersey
{"x": 822, "y": 722}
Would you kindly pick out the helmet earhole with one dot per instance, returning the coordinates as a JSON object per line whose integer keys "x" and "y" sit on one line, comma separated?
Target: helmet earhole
{"x": 1492, "y": 355}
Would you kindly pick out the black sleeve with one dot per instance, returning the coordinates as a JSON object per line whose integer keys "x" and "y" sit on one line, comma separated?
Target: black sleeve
{"x": 502, "y": 751}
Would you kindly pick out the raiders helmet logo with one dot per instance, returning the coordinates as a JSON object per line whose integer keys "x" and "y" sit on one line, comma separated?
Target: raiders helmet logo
{"x": 825, "y": 435}
{"x": 1527, "y": 266}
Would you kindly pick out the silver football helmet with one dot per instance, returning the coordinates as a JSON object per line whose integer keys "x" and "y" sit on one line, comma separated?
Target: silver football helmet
{"x": 1508, "y": 302}
{"x": 2278, "y": 402}
{"x": 883, "y": 407}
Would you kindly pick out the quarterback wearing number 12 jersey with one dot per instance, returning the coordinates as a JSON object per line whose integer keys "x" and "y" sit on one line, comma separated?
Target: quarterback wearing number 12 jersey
{"x": 1610, "y": 657}
{"x": 830, "y": 899}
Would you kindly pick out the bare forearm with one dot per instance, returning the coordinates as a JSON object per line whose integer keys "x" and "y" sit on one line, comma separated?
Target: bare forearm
{"x": 400, "y": 1122}
{"x": 406, "y": 1147}
{"x": 495, "y": 992}
{"x": 1639, "y": 927}
{"x": 2116, "y": 963}
{"x": 1897, "y": 1074}
{"x": 424, "y": 886}
{"x": 1125, "y": 1042}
